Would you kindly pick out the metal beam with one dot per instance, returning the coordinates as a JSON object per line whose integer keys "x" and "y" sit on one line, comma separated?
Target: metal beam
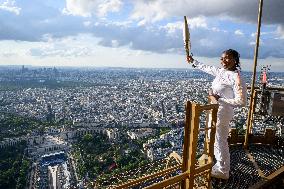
{"x": 251, "y": 109}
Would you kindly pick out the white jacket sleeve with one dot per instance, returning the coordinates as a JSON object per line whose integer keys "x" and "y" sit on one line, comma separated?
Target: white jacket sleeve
{"x": 240, "y": 93}
{"x": 208, "y": 69}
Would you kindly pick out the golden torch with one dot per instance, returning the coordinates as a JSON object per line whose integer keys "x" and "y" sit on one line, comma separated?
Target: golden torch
{"x": 186, "y": 38}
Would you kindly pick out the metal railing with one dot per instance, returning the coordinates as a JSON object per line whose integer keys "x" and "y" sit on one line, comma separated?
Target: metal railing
{"x": 191, "y": 172}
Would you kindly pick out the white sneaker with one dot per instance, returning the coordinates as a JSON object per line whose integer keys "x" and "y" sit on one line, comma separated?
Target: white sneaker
{"x": 217, "y": 174}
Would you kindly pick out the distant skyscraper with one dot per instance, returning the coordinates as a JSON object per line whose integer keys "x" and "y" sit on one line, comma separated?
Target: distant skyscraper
{"x": 163, "y": 108}
{"x": 50, "y": 115}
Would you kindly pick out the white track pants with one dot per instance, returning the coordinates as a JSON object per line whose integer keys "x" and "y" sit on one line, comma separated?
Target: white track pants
{"x": 221, "y": 147}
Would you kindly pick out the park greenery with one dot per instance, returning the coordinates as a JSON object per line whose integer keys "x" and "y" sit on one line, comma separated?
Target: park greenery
{"x": 98, "y": 157}
{"x": 14, "y": 167}
{"x": 12, "y": 125}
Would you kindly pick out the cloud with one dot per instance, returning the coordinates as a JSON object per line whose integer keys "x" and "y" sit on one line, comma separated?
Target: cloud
{"x": 87, "y": 8}
{"x": 151, "y": 39}
{"x": 280, "y": 32}
{"x": 87, "y": 23}
{"x": 172, "y": 28}
{"x": 239, "y": 32}
{"x": 8, "y": 54}
{"x": 242, "y": 10}
{"x": 9, "y": 5}
{"x": 64, "y": 47}
{"x": 209, "y": 39}
{"x": 151, "y": 11}
{"x": 109, "y": 6}
{"x": 194, "y": 23}
{"x": 197, "y": 22}
{"x": 149, "y": 26}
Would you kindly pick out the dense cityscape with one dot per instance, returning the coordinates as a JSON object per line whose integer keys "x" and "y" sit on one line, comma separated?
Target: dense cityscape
{"x": 70, "y": 128}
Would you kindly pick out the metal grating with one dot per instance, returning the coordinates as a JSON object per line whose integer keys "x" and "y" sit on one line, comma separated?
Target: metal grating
{"x": 243, "y": 174}
{"x": 268, "y": 158}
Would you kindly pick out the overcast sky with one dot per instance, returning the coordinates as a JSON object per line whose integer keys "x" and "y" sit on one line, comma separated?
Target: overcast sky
{"x": 137, "y": 33}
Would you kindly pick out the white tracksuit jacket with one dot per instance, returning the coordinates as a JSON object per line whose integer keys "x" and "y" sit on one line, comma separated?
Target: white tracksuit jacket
{"x": 231, "y": 88}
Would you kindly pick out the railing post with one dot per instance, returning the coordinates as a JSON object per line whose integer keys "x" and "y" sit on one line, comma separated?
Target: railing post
{"x": 186, "y": 140}
{"x": 250, "y": 118}
{"x": 190, "y": 143}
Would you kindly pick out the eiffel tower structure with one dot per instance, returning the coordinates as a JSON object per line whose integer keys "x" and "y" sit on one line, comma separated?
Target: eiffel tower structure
{"x": 260, "y": 164}
{"x": 257, "y": 159}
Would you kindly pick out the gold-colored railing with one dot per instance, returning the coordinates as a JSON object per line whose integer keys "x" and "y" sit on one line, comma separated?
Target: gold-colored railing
{"x": 192, "y": 172}
{"x": 249, "y": 138}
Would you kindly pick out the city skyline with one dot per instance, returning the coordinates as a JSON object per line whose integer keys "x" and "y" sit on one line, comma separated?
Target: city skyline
{"x": 141, "y": 34}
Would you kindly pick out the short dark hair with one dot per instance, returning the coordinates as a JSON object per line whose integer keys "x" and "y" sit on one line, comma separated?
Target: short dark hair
{"x": 235, "y": 55}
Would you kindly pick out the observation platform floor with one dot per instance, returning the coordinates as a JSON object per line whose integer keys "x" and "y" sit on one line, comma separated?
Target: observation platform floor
{"x": 260, "y": 166}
